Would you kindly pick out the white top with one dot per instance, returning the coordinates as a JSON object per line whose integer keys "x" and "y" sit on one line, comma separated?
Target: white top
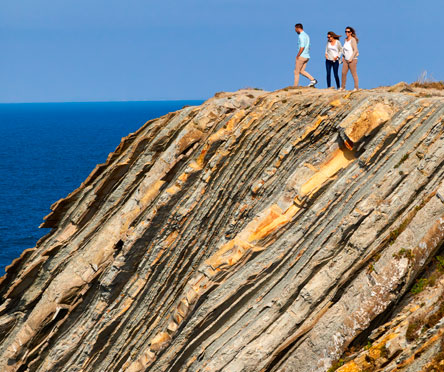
{"x": 333, "y": 51}
{"x": 348, "y": 50}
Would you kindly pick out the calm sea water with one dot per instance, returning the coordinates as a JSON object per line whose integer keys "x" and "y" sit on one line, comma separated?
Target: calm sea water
{"x": 48, "y": 149}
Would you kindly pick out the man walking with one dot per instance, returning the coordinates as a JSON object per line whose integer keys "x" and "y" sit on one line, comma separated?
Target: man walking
{"x": 303, "y": 56}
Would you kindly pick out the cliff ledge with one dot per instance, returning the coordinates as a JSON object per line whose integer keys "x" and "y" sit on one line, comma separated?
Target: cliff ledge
{"x": 297, "y": 230}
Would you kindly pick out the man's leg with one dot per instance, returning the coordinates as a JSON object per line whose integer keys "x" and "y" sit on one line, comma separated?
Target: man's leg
{"x": 297, "y": 71}
{"x": 303, "y": 72}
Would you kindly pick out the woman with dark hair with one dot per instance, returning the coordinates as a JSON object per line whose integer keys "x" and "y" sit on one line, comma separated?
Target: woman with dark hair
{"x": 333, "y": 52}
{"x": 351, "y": 53}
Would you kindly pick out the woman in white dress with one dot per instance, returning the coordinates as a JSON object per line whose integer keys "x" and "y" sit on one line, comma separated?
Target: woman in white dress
{"x": 350, "y": 59}
{"x": 333, "y": 53}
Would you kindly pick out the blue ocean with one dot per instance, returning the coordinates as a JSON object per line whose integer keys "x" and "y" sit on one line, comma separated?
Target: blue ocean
{"x": 48, "y": 149}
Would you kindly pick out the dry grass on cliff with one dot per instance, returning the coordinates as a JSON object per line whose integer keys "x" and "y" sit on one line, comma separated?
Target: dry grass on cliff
{"x": 429, "y": 85}
{"x": 427, "y": 82}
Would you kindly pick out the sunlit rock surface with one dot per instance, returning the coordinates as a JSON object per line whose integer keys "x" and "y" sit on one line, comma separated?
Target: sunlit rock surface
{"x": 259, "y": 231}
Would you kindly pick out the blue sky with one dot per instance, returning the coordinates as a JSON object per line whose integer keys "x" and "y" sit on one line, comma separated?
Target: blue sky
{"x": 97, "y": 50}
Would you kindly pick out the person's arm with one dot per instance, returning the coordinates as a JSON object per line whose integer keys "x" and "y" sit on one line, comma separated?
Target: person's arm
{"x": 339, "y": 50}
{"x": 326, "y": 55}
{"x": 302, "y": 44}
{"x": 301, "y": 49}
{"x": 354, "y": 45}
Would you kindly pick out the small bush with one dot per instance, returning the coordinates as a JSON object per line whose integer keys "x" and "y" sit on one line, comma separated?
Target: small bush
{"x": 403, "y": 159}
{"x": 407, "y": 253}
{"x": 419, "y": 285}
{"x": 427, "y": 81}
{"x": 429, "y": 85}
{"x": 395, "y": 233}
{"x": 432, "y": 280}
{"x": 440, "y": 263}
{"x": 336, "y": 365}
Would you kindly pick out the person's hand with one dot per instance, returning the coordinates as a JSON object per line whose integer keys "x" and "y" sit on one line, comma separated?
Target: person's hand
{"x": 297, "y": 57}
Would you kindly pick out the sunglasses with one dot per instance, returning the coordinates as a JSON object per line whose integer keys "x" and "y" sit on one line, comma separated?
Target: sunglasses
{"x": 347, "y": 31}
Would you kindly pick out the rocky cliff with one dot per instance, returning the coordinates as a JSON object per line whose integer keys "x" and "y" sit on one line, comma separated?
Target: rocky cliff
{"x": 298, "y": 230}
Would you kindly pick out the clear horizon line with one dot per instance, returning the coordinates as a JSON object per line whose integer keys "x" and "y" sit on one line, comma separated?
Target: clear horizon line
{"x": 106, "y": 101}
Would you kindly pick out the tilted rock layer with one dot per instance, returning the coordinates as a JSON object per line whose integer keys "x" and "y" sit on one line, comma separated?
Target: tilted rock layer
{"x": 257, "y": 232}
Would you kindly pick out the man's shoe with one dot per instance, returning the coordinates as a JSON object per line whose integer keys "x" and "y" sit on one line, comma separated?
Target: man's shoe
{"x": 313, "y": 83}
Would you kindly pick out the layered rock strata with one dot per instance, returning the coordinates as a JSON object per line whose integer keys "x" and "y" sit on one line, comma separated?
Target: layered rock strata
{"x": 257, "y": 232}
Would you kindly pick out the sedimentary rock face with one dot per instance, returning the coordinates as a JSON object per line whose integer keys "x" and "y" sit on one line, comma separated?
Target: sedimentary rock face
{"x": 257, "y": 232}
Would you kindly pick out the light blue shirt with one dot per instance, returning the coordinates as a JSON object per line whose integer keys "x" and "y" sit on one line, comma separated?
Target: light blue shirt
{"x": 304, "y": 42}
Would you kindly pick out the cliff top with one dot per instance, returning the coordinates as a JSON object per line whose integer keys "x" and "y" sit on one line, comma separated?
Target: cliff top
{"x": 260, "y": 231}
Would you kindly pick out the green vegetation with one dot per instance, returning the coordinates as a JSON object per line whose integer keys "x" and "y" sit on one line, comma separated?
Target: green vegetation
{"x": 403, "y": 159}
{"x": 440, "y": 263}
{"x": 432, "y": 277}
{"x": 407, "y": 253}
{"x": 375, "y": 258}
{"x": 395, "y": 233}
{"x": 419, "y": 285}
{"x": 336, "y": 365}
